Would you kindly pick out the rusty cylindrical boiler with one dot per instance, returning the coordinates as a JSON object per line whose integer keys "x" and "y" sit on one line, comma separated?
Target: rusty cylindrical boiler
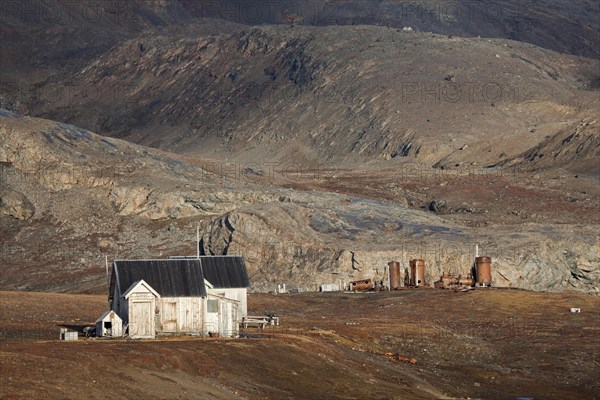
{"x": 366, "y": 284}
{"x": 447, "y": 279}
{"x": 395, "y": 278}
{"x": 465, "y": 281}
{"x": 417, "y": 272}
{"x": 483, "y": 271}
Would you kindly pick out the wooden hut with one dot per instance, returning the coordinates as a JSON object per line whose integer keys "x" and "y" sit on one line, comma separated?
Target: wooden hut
{"x": 109, "y": 325}
{"x": 180, "y": 296}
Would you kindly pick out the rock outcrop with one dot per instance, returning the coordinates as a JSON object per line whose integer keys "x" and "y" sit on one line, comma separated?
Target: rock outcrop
{"x": 16, "y": 205}
{"x": 281, "y": 246}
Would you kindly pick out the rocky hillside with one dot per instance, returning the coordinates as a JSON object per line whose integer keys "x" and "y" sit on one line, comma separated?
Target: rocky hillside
{"x": 319, "y": 140}
{"x": 70, "y": 197}
{"x": 568, "y": 27}
{"x": 335, "y": 94}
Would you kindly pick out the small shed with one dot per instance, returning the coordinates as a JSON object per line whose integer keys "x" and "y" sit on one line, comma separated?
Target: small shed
{"x": 109, "y": 325}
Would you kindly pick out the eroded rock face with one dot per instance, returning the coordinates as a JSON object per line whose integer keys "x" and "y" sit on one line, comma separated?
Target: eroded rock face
{"x": 273, "y": 255}
{"x": 155, "y": 204}
{"x": 97, "y": 196}
{"x": 16, "y": 205}
{"x": 555, "y": 266}
{"x": 279, "y": 249}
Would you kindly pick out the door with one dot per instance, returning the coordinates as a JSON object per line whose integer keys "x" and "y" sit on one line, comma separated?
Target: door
{"x": 211, "y": 321}
{"x": 142, "y": 323}
{"x": 188, "y": 314}
{"x": 228, "y": 319}
{"x": 169, "y": 316}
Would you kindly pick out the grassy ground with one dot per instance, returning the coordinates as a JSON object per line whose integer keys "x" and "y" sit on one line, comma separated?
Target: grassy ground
{"x": 482, "y": 344}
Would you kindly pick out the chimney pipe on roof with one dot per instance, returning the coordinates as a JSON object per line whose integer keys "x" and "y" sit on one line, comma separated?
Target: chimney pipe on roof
{"x": 107, "y": 278}
{"x": 197, "y": 240}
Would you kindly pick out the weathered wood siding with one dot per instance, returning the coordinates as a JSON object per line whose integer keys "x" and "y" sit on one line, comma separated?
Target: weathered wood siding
{"x": 224, "y": 319}
{"x": 211, "y": 316}
{"x": 124, "y": 311}
{"x": 240, "y": 295}
{"x": 142, "y": 313}
{"x": 146, "y": 315}
{"x": 228, "y": 324}
{"x": 181, "y": 314}
{"x": 116, "y": 323}
{"x": 116, "y": 305}
{"x": 142, "y": 322}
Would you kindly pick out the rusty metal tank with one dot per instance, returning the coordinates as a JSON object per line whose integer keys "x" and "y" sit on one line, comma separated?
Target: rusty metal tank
{"x": 447, "y": 279}
{"x": 483, "y": 271}
{"x": 466, "y": 281}
{"x": 417, "y": 272}
{"x": 395, "y": 278}
{"x": 362, "y": 285}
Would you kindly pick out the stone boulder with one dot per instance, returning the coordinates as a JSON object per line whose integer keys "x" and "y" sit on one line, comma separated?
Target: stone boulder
{"x": 16, "y": 205}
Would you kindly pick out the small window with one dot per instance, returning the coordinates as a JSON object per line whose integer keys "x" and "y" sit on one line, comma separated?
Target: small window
{"x": 212, "y": 306}
{"x": 108, "y": 325}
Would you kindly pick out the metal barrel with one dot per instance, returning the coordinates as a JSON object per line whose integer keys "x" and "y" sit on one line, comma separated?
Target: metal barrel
{"x": 417, "y": 272}
{"x": 483, "y": 270}
{"x": 395, "y": 279}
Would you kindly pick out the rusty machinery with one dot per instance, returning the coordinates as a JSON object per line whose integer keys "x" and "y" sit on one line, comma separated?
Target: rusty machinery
{"x": 482, "y": 269}
{"x": 448, "y": 281}
{"x": 481, "y": 275}
{"x": 417, "y": 273}
{"x": 415, "y": 277}
{"x": 362, "y": 285}
{"x": 395, "y": 278}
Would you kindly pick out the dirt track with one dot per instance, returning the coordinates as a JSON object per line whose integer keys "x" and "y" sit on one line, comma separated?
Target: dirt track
{"x": 328, "y": 346}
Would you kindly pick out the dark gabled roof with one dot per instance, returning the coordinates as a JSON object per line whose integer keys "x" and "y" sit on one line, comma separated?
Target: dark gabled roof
{"x": 170, "y": 278}
{"x": 181, "y": 277}
{"x": 225, "y": 272}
